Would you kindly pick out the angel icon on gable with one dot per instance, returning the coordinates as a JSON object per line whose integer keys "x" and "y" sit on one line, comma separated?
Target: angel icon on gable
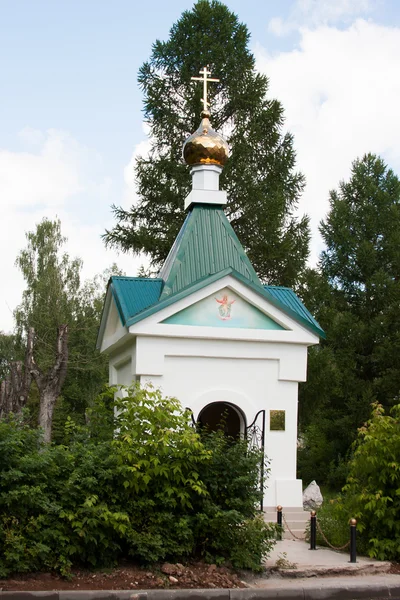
{"x": 225, "y": 307}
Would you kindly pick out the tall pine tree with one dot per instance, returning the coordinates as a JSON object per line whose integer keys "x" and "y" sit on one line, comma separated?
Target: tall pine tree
{"x": 356, "y": 298}
{"x": 260, "y": 178}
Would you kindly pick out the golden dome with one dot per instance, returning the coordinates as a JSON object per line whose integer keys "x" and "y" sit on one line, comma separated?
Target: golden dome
{"x": 205, "y": 146}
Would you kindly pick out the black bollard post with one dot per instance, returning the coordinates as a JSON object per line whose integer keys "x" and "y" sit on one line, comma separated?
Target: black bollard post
{"x": 353, "y": 541}
{"x": 279, "y": 521}
{"x": 313, "y": 530}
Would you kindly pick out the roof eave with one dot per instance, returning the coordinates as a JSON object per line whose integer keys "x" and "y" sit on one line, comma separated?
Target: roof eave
{"x": 294, "y": 315}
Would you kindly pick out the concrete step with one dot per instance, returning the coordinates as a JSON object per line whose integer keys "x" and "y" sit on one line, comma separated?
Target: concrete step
{"x": 299, "y": 515}
{"x": 286, "y": 509}
{"x": 296, "y": 519}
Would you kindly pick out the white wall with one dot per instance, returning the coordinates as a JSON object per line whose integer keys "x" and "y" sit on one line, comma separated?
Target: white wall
{"x": 250, "y": 375}
{"x": 122, "y": 365}
{"x": 198, "y": 381}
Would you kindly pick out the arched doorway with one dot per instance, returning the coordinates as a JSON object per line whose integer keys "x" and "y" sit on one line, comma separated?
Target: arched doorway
{"x": 225, "y": 416}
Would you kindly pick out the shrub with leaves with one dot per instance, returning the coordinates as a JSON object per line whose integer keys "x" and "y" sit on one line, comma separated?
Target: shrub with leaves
{"x": 159, "y": 457}
{"x": 333, "y": 520}
{"x": 228, "y": 523}
{"x": 54, "y": 507}
{"x": 372, "y": 491}
{"x": 138, "y": 482}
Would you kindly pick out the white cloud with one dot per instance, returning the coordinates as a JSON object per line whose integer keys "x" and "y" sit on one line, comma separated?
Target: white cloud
{"x": 31, "y": 137}
{"x": 313, "y": 13}
{"x": 46, "y": 177}
{"x": 341, "y": 98}
{"x": 54, "y": 176}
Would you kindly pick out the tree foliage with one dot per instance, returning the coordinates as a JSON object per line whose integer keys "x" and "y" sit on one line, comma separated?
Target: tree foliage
{"x": 88, "y": 369}
{"x": 52, "y": 282}
{"x": 355, "y": 296}
{"x": 260, "y": 178}
{"x": 16, "y": 382}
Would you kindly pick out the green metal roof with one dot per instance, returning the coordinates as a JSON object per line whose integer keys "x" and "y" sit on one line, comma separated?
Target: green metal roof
{"x": 133, "y": 295}
{"x": 287, "y": 297}
{"x": 205, "y": 250}
{"x": 138, "y": 298}
{"x": 205, "y": 245}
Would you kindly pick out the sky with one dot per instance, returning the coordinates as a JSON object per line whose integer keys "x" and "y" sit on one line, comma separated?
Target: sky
{"x": 71, "y": 120}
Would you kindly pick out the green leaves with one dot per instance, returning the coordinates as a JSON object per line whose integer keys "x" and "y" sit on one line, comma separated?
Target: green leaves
{"x": 52, "y": 282}
{"x": 372, "y": 491}
{"x": 53, "y": 296}
{"x": 138, "y": 482}
{"x": 157, "y": 450}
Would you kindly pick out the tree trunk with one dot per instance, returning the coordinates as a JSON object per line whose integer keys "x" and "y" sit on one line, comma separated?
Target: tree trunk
{"x": 5, "y": 398}
{"x": 14, "y": 390}
{"x": 46, "y": 409}
{"x": 49, "y": 384}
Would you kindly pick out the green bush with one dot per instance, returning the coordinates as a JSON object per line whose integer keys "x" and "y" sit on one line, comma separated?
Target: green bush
{"x": 228, "y": 524}
{"x": 137, "y": 482}
{"x": 333, "y": 521}
{"x": 372, "y": 491}
{"x": 52, "y": 511}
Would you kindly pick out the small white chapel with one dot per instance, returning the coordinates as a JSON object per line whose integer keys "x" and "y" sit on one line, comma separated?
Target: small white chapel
{"x": 207, "y": 330}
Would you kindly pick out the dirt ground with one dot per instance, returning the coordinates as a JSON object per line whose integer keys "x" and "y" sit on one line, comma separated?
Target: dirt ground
{"x": 395, "y": 569}
{"x": 129, "y": 577}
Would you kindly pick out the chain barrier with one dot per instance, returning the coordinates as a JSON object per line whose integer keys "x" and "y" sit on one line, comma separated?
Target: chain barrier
{"x": 290, "y": 531}
{"x": 329, "y": 544}
{"x": 320, "y": 531}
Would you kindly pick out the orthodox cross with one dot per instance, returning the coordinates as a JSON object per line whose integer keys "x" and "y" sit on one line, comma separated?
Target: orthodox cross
{"x": 205, "y": 80}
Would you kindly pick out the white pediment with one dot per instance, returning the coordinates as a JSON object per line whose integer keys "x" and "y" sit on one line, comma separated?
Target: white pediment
{"x": 225, "y": 309}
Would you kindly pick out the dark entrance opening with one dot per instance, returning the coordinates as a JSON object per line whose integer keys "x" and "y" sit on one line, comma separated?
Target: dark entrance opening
{"x": 222, "y": 415}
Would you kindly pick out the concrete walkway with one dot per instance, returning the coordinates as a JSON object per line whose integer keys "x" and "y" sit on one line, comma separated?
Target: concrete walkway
{"x": 292, "y": 558}
{"x": 294, "y": 571}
